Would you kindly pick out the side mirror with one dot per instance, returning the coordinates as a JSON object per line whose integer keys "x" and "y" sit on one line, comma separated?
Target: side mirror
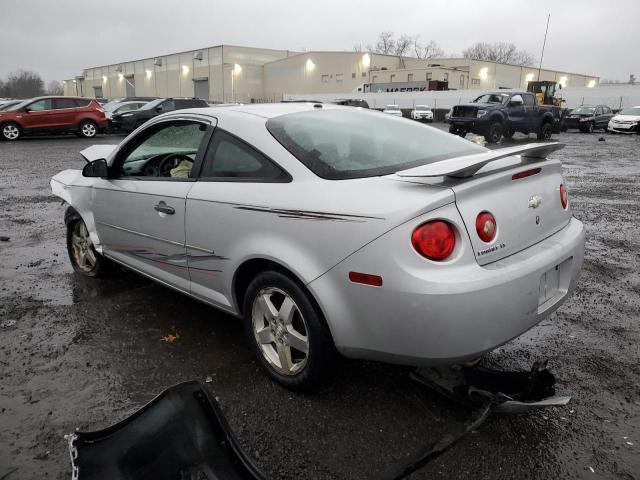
{"x": 97, "y": 168}
{"x": 159, "y": 108}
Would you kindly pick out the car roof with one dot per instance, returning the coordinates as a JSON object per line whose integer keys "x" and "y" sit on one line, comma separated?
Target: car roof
{"x": 266, "y": 110}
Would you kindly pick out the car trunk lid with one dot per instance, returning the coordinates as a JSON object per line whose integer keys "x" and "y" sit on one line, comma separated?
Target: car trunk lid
{"x": 522, "y": 193}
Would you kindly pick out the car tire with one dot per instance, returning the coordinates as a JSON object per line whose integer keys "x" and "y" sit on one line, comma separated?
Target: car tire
{"x": 494, "y": 133}
{"x": 590, "y": 127}
{"x": 281, "y": 320}
{"x": 545, "y": 132}
{"x": 508, "y": 133}
{"x": 82, "y": 254}
{"x": 87, "y": 129}
{"x": 453, "y": 130}
{"x": 11, "y": 131}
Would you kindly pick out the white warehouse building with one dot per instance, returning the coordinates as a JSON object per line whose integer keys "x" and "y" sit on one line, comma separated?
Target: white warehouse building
{"x": 228, "y": 73}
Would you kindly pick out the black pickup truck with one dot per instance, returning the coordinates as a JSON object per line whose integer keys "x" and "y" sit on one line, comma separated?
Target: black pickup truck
{"x": 499, "y": 114}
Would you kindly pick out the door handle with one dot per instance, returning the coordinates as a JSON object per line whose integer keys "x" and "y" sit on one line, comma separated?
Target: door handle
{"x": 164, "y": 208}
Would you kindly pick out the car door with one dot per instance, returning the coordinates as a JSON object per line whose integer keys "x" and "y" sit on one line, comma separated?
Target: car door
{"x": 530, "y": 112}
{"x": 64, "y": 112}
{"x": 233, "y": 176}
{"x": 599, "y": 117}
{"x": 139, "y": 211}
{"x": 37, "y": 115}
{"x": 516, "y": 112}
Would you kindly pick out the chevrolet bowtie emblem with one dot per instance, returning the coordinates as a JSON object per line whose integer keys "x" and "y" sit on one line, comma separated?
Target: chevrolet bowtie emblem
{"x": 535, "y": 201}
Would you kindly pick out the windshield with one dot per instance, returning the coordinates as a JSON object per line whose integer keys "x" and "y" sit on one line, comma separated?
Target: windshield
{"x": 584, "y": 110}
{"x": 152, "y": 104}
{"x": 7, "y": 105}
{"x": 502, "y": 98}
{"x": 341, "y": 144}
{"x": 422, "y": 107}
{"x": 631, "y": 111}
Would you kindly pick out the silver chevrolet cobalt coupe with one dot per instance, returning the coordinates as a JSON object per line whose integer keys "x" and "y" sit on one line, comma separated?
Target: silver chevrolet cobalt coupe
{"x": 332, "y": 229}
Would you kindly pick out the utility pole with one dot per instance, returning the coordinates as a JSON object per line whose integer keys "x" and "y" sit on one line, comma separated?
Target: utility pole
{"x": 543, "y": 45}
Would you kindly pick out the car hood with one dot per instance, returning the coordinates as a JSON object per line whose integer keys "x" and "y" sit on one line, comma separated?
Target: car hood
{"x": 626, "y": 118}
{"x": 483, "y": 106}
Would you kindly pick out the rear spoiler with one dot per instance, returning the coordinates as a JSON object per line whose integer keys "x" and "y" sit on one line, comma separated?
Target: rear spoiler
{"x": 468, "y": 165}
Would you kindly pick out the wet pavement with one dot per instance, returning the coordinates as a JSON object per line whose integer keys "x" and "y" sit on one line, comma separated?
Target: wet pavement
{"x": 83, "y": 353}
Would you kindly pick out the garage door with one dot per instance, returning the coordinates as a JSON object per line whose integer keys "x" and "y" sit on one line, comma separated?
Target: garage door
{"x": 201, "y": 88}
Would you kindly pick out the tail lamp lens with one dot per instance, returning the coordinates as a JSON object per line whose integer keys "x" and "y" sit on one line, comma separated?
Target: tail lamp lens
{"x": 486, "y": 226}
{"x": 564, "y": 196}
{"x": 434, "y": 240}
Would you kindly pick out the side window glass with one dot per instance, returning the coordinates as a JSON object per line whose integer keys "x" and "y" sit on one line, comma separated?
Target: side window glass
{"x": 516, "y": 100}
{"x": 229, "y": 157}
{"x": 59, "y": 103}
{"x": 40, "y": 105}
{"x": 529, "y": 100}
{"x": 167, "y": 106}
{"x": 599, "y": 111}
{"x": 82, "y": 103}
{"x": 168, "y": 151}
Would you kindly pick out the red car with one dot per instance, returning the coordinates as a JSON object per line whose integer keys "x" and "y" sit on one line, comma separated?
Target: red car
{"x": 79, "y": 115}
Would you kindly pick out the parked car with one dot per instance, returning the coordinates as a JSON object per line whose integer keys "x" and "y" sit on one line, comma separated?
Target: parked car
{"x": 499, "y": 114}
{"x": 332, "y": 227}
{"x": 102, "y": 101}
{"x": 7, "y": 104}
{"x": 422, "y": 112}
{"x": 587, "y": 118}
{"x": 351, "y": 102}
{"x": 129, "y": 121}
{"x": 116, "y": 108}
{"x": 393, "y": 110}
{"x": 627, "y": 121}
{"x": 80, "y": 115}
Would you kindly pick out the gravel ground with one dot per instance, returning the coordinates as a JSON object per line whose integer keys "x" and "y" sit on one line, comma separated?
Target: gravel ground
{"x": 80, "y": 353}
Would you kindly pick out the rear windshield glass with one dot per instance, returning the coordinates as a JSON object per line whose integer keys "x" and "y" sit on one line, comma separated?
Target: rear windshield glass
{"x": 345, "y": 143}
{"x": 584, "y": 110}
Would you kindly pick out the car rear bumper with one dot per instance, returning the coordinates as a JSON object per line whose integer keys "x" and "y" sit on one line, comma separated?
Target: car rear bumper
{"x": 424, "y": 316}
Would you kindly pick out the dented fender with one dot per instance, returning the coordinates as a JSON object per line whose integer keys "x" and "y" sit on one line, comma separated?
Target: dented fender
{"x": 77, "y": 191}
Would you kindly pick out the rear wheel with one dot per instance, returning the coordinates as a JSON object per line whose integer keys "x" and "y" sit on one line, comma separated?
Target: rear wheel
{"x": 494, "y": 134}
{"x": 87, "y": 129}
{"x": 287, "y": 332}
{"x": 84, "y": 258}
{"x": 545, "y": 132}
{"x": 11, "y": 131}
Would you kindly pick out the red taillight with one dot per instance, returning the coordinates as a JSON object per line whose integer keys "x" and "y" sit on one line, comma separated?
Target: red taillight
{"x": 434, "y": 240}
{"x": 486, "y": 226}
{"x": 564, "y": 196}
{"x": 366, "y": 278}
{"x": 526, "y": 173}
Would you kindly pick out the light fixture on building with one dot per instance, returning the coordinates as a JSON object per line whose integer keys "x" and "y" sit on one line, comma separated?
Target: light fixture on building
{"x": 237, "y": 69}
{"x": 75, "y": 81}
{"x": 104, "y": 79}
{"x": 366, "y": 60}
{"x": 529, "y": 77}
{"x": 592, "y": 83}
{"x": 484, "y": 73}
{"x": 120, "y": 76}
{"x": 185, "y": 69}
{"x": 198, "y": 55}
{"x": 157, "y": 62}
{"x": 563, "y": 81}
{"x": 310, "y": 66}
{"x": 149, "y": 73}
{"x": 119, "y": 68}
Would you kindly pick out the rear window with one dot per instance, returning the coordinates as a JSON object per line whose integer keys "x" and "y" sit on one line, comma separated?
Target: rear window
{"x": 82, "y": 103}
{"x": 344, "y": 143}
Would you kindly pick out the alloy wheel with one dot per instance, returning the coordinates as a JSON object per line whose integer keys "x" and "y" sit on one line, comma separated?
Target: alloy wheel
{"x": 280, "y": 331}
{"x": 10, "y": 132}
{"x": 89, "y": 129}
{"x": 82, "y": 247}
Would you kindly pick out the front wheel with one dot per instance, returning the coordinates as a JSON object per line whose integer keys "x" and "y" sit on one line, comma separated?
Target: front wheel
{"x": 87, "y": 129}
{"x": 287, "y": 332}
{"x": 590, "y": 127}
{"x": 494, "y": 134}
{"x": 11, "y": 131}
{"x": 545, "y": 132}
{"x": 84, "y": 258}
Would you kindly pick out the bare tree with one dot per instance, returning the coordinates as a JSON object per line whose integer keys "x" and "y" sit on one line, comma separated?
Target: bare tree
{"x": 23, "y": 84}
{"x": 386, "y": 43}
{"x": 54, "y": 87}
{"x": 403, "y": 44}
{"x": 2, "y": 89}
{"x": 498, "y": 52}
{"x": 430, "y": 50}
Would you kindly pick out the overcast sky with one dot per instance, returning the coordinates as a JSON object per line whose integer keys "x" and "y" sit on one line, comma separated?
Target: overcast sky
{"x": 59, "y": 38}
